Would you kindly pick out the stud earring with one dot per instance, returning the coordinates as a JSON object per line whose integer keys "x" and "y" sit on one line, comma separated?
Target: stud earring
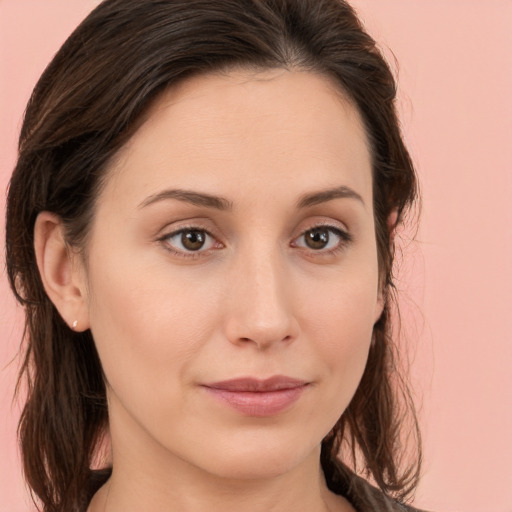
{"x": 74, "y": 324}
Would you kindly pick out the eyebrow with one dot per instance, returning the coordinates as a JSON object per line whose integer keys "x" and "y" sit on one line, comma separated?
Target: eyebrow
{"x": 323, "y": 196}
{"x": 187, "y": 196}
{"x": 221, "y": 203}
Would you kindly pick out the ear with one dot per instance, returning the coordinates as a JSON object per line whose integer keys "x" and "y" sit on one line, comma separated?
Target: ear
{"x": 61, "y": 271}
{"x": 391, "y": 227}
{"x": 392, "y": 220}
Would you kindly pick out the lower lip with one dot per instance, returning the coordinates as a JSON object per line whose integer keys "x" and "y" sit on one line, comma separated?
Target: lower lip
{"x": 265, "y": 403}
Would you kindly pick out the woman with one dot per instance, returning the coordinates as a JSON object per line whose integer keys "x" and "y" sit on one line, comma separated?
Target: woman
{"x": 200, "y": 227}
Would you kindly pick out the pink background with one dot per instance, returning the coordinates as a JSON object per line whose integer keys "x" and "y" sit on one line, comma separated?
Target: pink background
{"x": 455, "y": 75}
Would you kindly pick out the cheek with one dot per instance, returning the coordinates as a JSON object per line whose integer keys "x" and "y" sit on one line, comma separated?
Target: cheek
{"x": 339, "y": 319}
{"x": 342, "y": 307}
{"x": 146, "y": 328}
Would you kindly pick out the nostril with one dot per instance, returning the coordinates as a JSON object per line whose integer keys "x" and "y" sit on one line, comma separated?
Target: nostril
{"x": 262, "y": 341}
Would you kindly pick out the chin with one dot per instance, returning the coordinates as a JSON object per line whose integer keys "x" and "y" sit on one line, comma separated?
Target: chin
{"x": 257, "y": 461}
{"x": 257, "y": 467}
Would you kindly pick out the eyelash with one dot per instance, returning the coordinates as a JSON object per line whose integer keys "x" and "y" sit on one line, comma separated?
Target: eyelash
{"x": 187, "y": 254}
{"x": 344, "y": 236}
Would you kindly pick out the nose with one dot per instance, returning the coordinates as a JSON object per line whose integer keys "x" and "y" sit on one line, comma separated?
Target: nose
{"x": 260, "y": 310}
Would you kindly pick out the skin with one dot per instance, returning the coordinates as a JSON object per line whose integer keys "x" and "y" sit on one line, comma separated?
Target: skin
{"x": 255, "y": 300}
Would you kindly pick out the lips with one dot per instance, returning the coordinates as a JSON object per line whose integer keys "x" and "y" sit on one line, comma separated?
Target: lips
{"x": 258, "y": 397}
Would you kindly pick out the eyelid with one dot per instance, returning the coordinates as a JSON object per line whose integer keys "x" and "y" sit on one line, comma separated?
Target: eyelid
{"x": 325, "y": 223}
{"x": 336, "y": 228}
{"x": 343, "y": 233}
{"x": 163, "y": 239}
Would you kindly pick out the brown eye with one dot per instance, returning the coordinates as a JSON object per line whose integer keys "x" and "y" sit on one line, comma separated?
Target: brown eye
{"x": 317, "y": 238}
{"x": 193, "y": 240}
{"x": 190, "y": 240}
{"x": 323, "y": 239}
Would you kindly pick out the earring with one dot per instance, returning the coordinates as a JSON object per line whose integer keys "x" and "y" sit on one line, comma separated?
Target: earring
{"x": 74, "y": 324}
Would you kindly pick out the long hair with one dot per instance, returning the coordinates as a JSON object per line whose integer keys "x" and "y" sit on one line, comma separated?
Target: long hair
{"x": 91, "y": 98}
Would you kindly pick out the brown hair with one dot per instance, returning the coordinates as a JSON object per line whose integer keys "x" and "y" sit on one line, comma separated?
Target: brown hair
{"x": 87, "y": 103}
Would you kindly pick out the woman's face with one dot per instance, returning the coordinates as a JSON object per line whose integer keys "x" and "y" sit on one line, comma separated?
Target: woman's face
{"x": 234, "y": 243}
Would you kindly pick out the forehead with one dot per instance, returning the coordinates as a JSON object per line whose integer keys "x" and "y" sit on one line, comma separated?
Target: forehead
{"x": 217, "y": 131}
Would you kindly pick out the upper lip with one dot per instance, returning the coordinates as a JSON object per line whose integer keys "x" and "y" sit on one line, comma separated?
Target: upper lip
{"x": 255, "y": 385}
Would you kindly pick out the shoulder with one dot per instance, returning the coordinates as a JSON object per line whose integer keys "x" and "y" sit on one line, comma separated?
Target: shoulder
{"x": 367, "y": 498}
{"x": 373, "y": 500}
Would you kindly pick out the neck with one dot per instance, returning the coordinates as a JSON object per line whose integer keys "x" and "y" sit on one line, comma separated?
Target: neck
{"x": 181, "y": 488}
{"x": 191, "y": 494}
{"x": 146, "y": 476}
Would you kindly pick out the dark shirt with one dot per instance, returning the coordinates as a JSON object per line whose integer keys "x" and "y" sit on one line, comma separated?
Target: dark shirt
{"x": 363, "y": 496}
